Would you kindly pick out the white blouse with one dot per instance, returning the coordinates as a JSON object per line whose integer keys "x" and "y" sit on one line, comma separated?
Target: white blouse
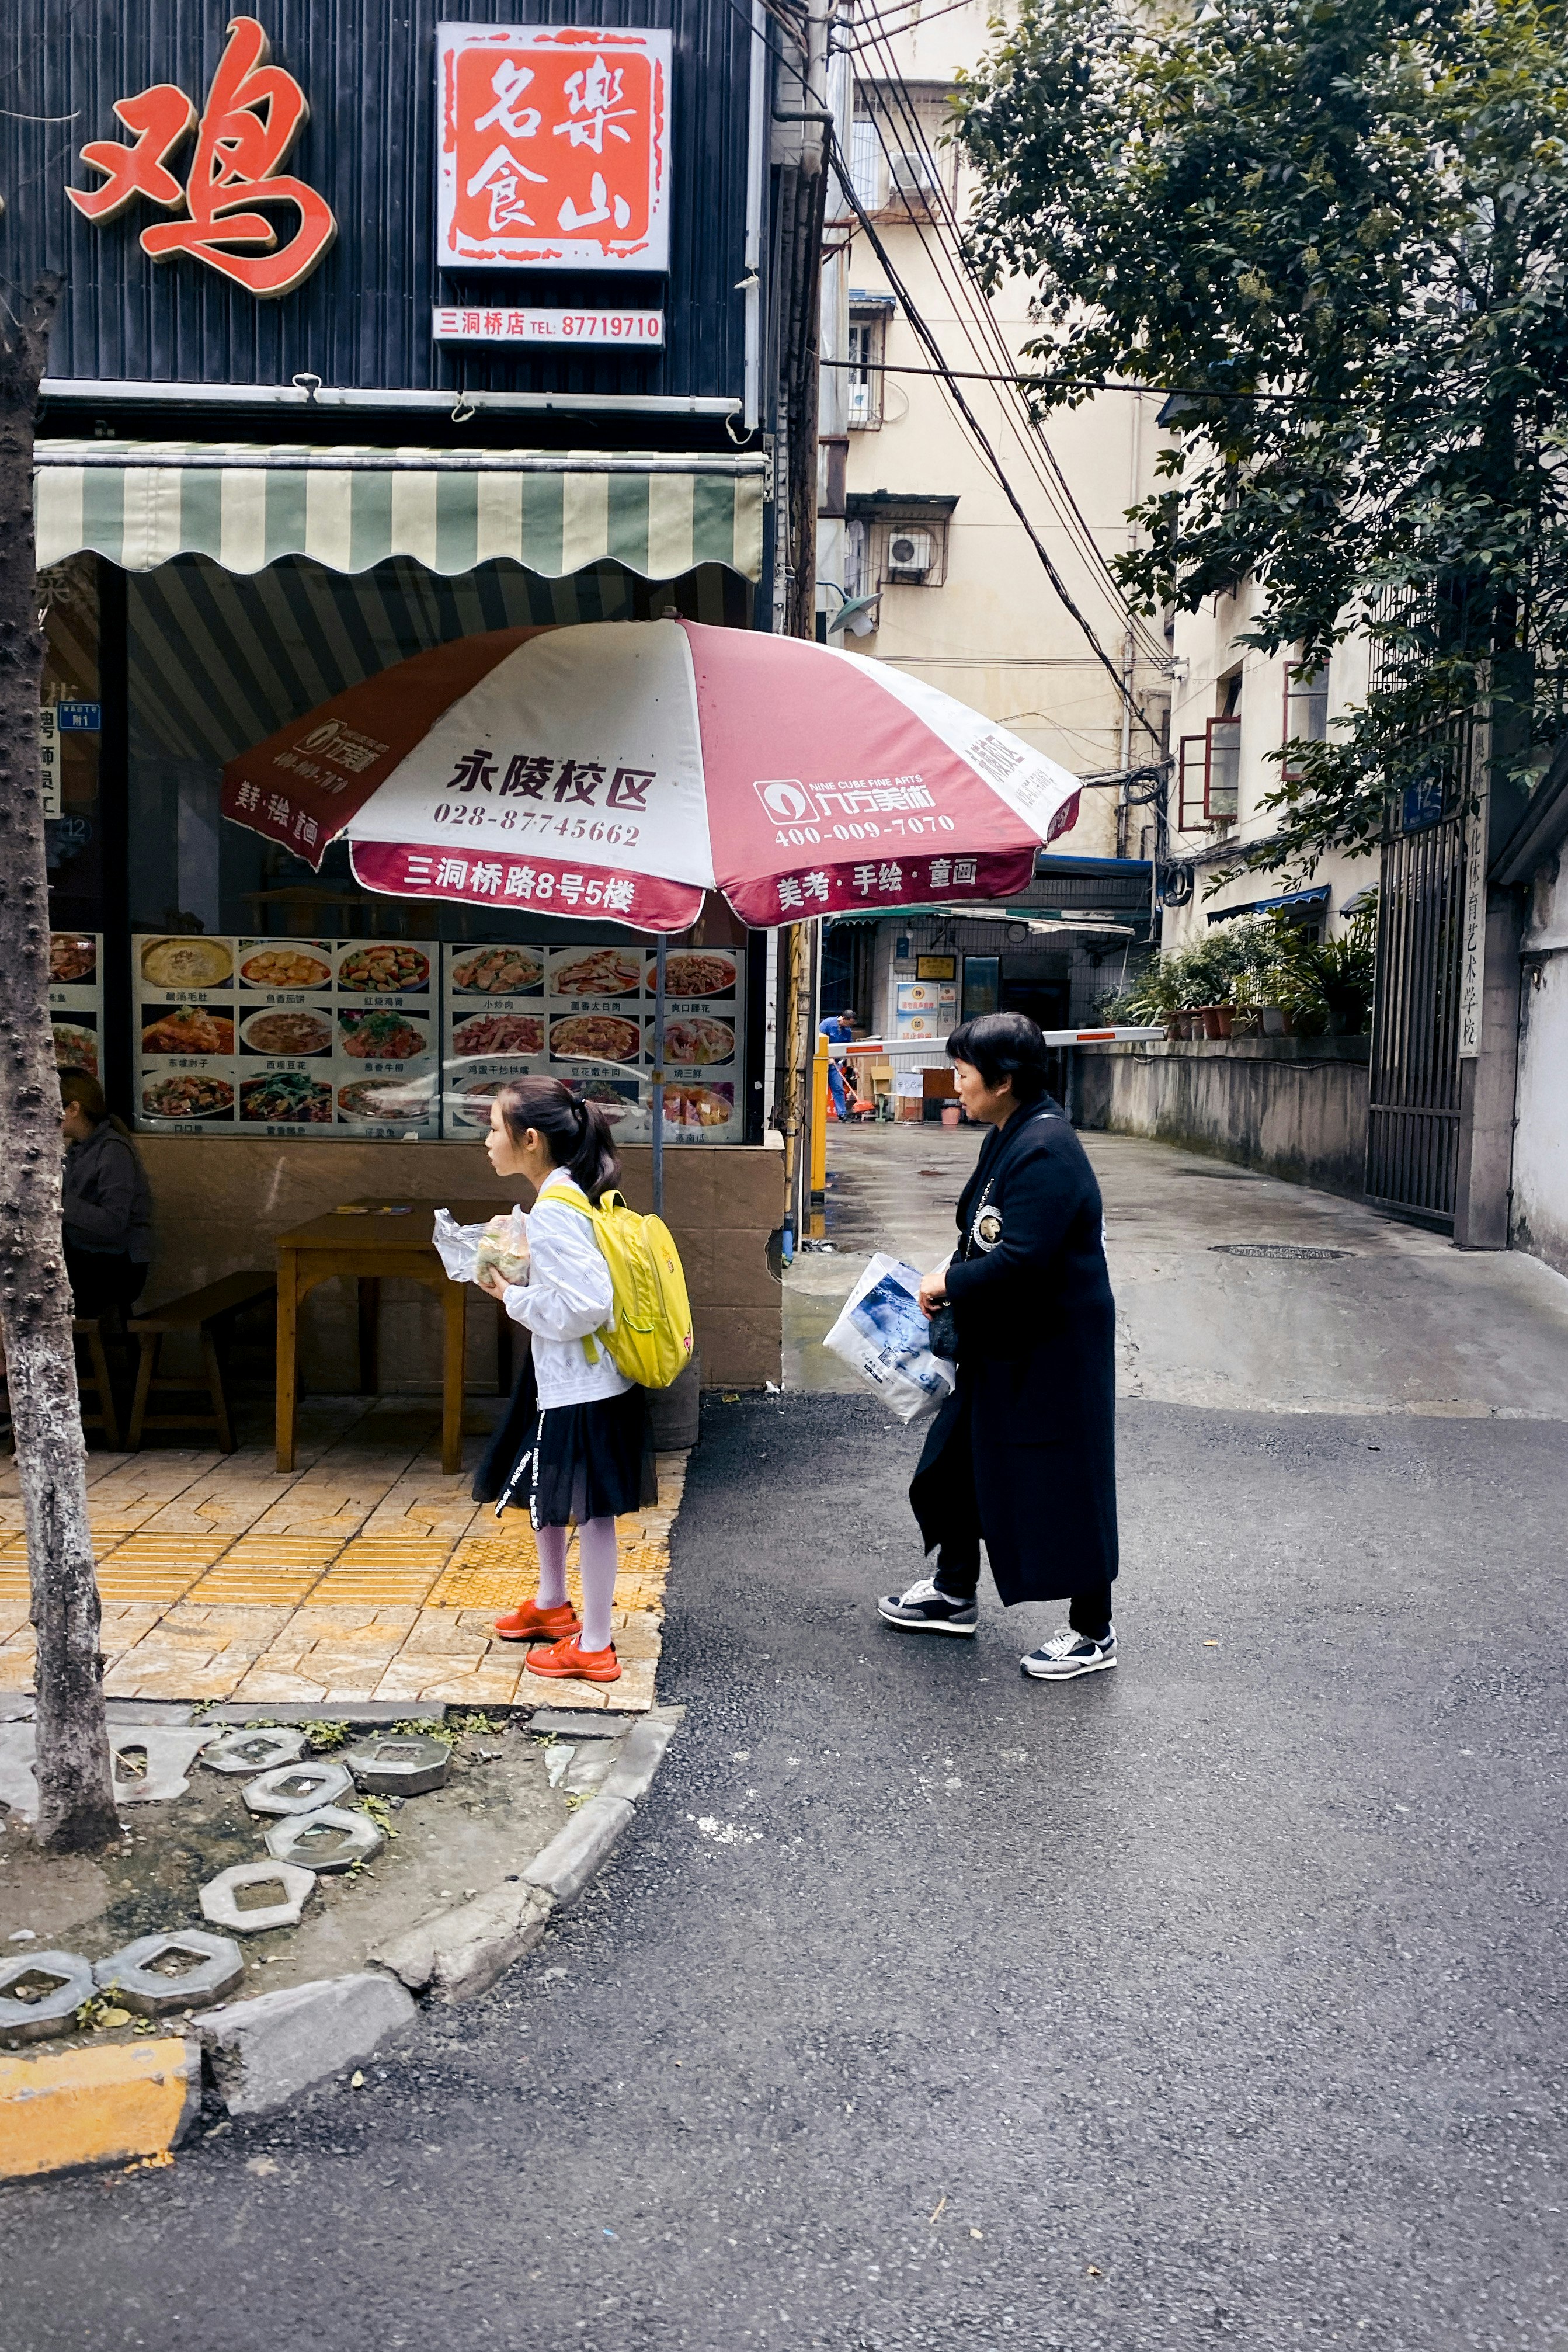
{"x": 567, "y": 1295}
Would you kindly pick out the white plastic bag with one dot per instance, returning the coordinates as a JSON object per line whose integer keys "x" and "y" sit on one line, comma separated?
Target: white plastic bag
{"x": 883, "y": 1335}
{"x": 465, "y": 1251}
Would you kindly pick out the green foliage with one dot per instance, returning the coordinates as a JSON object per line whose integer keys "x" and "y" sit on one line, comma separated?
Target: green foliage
{"x": 1339, "y": 228}
{"x": 321, "y": 1738}
{"x": 1259, "y": 960}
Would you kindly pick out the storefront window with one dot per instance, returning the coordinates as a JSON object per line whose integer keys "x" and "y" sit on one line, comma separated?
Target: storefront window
{"x": 262, "y": 997}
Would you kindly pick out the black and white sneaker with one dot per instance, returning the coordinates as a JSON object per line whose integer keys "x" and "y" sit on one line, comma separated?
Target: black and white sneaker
{"x": 925, "y": 1609}
{"x": 1068, "y": 1653}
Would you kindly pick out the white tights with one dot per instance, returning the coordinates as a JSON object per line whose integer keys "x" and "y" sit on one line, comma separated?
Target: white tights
{"x": 596, "y": 1559}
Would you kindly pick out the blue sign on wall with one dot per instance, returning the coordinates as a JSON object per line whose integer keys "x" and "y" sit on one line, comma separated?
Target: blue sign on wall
{"x": 81, "y": 717}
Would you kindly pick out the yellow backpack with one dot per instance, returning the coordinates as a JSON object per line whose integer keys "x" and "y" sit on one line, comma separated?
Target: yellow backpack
{"x": 649, "y": 1336}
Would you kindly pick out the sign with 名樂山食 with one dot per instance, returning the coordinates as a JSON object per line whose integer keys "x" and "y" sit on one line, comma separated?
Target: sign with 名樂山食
{"x": 553, "y": 147}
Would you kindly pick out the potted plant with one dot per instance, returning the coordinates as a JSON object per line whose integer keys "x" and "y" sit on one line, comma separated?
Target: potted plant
{"x": 1246, "y": 1014}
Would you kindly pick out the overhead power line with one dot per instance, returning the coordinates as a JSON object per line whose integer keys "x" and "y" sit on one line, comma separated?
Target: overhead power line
{"x": 976, "y": 430}
{"x": 956, "y": 274}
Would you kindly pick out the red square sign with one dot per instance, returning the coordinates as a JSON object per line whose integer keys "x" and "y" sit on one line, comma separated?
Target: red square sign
{"x": 554, "y": 151}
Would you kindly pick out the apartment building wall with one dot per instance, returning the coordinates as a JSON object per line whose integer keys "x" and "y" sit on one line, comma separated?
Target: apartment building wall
{"x": 1214, "y": 672}
{"x": 988, "y": 628}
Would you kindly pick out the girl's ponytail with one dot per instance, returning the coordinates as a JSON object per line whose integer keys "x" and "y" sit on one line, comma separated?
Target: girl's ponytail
{"x": 577, "y": 1131}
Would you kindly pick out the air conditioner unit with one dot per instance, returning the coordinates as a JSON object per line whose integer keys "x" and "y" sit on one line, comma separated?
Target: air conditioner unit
{"x": 914, "y": 175}
{"x": 911, "y": 554}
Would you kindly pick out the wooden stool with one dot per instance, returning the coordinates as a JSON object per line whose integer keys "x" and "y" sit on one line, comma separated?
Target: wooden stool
{"x": 90, "y": 1328}
{"x": 208, "y": 1312}
{"x": 93, "y": 1375}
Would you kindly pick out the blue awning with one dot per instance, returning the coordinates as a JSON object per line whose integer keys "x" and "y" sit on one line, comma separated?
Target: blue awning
{"x": 1319, "y": 896}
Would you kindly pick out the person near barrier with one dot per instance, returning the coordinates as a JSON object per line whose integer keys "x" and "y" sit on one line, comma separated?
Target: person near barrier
{"x": 839, "y": 1029}
{"x": 1023, "y": 1455}
{"x": 574, "y": 1445}
{"x": 106, "y": 1205}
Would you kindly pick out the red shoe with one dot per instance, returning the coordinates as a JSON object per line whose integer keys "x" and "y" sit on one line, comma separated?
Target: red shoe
{"x": 530, "y": 1623}
{"x": 583, "y": 1665}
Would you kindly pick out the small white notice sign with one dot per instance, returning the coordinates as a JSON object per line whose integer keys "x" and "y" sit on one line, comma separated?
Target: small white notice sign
{"x": 631, "y": 329}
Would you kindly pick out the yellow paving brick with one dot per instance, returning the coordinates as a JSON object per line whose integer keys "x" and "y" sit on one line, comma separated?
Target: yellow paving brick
{"x": 267, "y": 1686}
{"x": 215, "y": 1682}
{"x": 244, "y": 1586}
{"x": 550, "y": 1690}
{"x": 494, "y": 1688}
{"x": 15, "y": 1670}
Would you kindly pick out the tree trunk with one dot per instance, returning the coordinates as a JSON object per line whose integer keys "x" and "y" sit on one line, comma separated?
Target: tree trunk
{"x": 75, "y": 1799}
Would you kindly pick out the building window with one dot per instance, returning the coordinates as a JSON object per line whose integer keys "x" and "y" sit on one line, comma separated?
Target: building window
{"x": 901, "y": 542}
{"x": 1306, "y": 711}
{"x": 1208, "y": 776}
{"x": 855, "y": 566}
{"x": 868, "y": 341}
{"x": 899, "y": 159}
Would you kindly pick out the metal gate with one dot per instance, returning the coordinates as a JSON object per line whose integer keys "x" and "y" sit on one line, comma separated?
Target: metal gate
{"x": 1413, "y": 1123}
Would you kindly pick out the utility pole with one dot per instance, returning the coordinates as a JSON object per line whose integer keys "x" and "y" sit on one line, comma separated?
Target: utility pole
{"x": 803, "y": 203}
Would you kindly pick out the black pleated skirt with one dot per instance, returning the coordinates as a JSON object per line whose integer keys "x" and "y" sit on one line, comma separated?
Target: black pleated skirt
{"x": 570, "y": 1462}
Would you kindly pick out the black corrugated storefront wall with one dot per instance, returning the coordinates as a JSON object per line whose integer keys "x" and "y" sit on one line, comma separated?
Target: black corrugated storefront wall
{"x": 364, "y": 319}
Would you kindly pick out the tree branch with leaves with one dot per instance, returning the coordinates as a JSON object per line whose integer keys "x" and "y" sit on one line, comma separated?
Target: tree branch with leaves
{"x": 1336, "y": 232}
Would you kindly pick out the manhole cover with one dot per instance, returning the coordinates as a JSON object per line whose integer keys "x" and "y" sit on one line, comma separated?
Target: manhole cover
{"x": 1274, "y": 1249}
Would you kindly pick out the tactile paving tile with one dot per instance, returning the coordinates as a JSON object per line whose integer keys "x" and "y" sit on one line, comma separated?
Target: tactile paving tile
{"x": 267, "y": 1570}
{"x": 488, "y": 1572}
{"x": 376, "y": 1569}
{"x": 157, "y": 1567}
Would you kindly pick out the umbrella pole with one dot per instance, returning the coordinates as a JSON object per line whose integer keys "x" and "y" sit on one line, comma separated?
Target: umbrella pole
{"x": 661, "y": 953}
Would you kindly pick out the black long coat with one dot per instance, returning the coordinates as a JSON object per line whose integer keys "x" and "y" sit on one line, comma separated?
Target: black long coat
{"x": 1035, "y": 1404}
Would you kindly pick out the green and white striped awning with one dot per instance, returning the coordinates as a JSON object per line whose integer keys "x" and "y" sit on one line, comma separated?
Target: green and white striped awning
{"x": 140, "y": 503}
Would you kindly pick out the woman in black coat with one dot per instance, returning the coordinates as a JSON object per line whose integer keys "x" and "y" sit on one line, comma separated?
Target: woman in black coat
{"x": 1023, "y": 1455}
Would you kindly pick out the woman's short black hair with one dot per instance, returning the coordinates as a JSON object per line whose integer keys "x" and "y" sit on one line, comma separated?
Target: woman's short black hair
{"x": 1003, "y": 1045}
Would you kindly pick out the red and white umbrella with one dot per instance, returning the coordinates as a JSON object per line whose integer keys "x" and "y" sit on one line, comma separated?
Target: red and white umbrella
{"x": 620, "y": 769}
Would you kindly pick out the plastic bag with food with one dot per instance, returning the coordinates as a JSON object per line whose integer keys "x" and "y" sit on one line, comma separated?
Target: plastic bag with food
{"x": 469, "y": 1251}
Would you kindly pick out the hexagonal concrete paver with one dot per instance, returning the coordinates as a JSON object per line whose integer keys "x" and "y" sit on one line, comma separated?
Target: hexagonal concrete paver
{"x": 399, "y": 1764}
{"x": 330, "y": 1839}
{"x": 302, "y": 1787}
{"x": 254, "y": 1752}
{"x": 220, "y": 1903}
{"x": 53, "y": 1986}
{"x": 147, "y": 1976}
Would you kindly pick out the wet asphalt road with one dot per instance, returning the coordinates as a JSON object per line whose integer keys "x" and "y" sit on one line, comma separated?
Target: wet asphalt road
{"x": 1216, "y": 2000}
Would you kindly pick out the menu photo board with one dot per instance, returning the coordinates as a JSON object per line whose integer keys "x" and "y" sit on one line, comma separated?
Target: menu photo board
{"x": 294, "y": 1037}
{"x": 585, "y": 1015}
{"x": 75, "y": 1000}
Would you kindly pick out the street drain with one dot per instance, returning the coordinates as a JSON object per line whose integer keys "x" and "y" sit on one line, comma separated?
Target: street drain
{"x": 1274, "y": 1249}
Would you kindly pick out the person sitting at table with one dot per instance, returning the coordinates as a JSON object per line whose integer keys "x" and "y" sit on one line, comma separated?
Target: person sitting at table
{"x": 106, "y": 1203}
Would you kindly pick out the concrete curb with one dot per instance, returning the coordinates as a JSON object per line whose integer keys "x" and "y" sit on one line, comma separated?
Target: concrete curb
{"x": 456, "y": 1954}
{"x": 106, "y": 2104}
{"x": 564, "y": 1867}
{"x": 263, "y": 2051}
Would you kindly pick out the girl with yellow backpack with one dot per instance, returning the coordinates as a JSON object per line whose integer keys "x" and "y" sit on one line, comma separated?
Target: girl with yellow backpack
{"x": 605, "y": 1304}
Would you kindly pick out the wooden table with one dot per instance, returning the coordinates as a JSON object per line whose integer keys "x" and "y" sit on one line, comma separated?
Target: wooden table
{"x": 365, "y": 1243}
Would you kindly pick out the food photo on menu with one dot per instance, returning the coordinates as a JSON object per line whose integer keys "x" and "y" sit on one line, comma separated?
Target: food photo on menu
{"x": 291, "y": 964}
{"x": 496, "y": 971}
{"x": 75, "y": 1046}
{"x": 292, "y": 1037}
{"x": 694, "y": 971}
